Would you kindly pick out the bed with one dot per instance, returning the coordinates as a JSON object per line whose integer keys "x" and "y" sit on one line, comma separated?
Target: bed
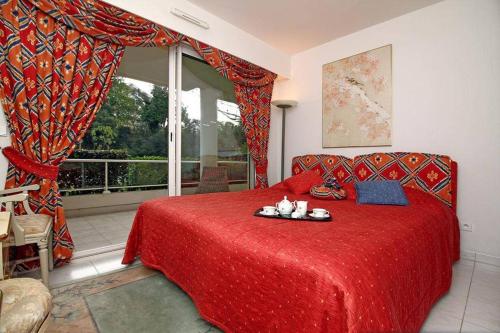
{"x": 372, "y": 269}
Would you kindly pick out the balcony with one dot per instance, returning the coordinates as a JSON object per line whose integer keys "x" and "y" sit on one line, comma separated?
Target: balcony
{"x": 75, "y": 178}
{"x": 99, "y": 186}
{"x": 104, "y": 231}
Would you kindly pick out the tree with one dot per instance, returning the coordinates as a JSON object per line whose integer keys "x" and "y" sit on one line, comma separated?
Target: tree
{"x": 190, "y": 136}
{"x": 155, "y": 112}
{"x": 134, "y": 121}
{"x": 121, "y": 106}
{"x": 103, "y": 137}
{"x": 120, "y": 113}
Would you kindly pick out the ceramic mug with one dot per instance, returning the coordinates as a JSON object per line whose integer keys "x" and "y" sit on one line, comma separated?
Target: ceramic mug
{"x": 269, "y": 210}
{"x": 320, "y": 212}
{"x": 301, "y": 207}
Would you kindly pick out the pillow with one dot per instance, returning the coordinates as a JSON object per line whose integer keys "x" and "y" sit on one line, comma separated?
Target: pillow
{"x": 327, "y": 193}
{"x": 279, "y": 186}
{"x": 381, "y": 192}
{"x": 302, "y": 183}
{"x": 350, "y": 191}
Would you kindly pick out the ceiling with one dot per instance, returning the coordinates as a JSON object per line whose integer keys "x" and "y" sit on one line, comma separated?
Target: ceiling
{"x": 296, "y": 25}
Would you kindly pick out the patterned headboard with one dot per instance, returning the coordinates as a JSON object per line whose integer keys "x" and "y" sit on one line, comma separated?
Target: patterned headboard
{"x": 431, "y": 173}
{"x": 434, "y": 174}
{"x": 325, "y": 165}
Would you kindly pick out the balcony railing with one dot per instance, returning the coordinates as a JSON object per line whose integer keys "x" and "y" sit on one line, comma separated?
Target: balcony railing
{"x": 84, "y": 175}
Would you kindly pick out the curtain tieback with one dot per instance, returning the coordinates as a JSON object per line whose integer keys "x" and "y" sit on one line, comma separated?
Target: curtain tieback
{"x": 23, "y": 162}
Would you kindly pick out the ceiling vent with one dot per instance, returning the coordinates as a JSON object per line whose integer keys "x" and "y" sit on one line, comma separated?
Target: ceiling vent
{"x": 189, "y": 18}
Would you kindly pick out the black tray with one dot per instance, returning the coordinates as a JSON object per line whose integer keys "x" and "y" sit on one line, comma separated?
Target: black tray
{"x": 289, "y": 217}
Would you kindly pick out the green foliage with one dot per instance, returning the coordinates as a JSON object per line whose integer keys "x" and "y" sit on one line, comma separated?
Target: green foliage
{"x": 147, "y": 174}
{"x": 132, "y": 125}
{"x": 103, "y": 136}
{"x": 111, "y": 154}
{"x": 85, "y": 175}
{"x": 155, "y": 111}
{"x": 121, "y": 106}
{"x": 190, "y": 136}
{"x": 150, "y": 158}
{"x": 231, "y": 138}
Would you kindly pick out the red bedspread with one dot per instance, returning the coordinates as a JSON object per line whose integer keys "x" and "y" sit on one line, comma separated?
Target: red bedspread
{"x": 373, "y": 269}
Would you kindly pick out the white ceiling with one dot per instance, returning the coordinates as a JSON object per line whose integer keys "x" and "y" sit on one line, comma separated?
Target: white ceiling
{"x": 296, "y": 25}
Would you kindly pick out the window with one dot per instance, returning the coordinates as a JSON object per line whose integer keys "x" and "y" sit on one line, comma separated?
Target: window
{"x": 127, "y": 147}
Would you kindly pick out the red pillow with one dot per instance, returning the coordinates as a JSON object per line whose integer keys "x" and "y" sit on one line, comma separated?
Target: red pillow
{"x": 302, "y": 183}
{"x": 351, "y": 191}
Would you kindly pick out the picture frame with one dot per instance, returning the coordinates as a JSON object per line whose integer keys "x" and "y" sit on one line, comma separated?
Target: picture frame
{"x": 357, "y": 100}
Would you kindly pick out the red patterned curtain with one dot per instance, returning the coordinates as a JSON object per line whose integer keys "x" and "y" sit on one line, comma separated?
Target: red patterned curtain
{"x": 57, "y": 60}
{"x": 253, "y": 84}
{"x": 53, "y": 81}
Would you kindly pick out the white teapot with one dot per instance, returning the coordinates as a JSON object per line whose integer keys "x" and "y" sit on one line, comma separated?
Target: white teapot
{"x": 285, "y": 207}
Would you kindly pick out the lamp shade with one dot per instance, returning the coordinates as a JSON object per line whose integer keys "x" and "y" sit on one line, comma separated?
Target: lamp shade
{"x": 284, "y": 103}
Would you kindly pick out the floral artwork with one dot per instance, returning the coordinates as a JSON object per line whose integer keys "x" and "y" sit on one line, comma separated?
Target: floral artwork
{"x": 357, "y": 100}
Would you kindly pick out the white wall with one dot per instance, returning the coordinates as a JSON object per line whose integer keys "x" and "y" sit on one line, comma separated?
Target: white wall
{"x": 221, "y": 34}
{"x": 446, "y": 94}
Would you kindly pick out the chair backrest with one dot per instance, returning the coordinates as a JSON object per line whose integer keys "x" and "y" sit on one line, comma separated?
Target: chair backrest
{"x": 213, "y": 179}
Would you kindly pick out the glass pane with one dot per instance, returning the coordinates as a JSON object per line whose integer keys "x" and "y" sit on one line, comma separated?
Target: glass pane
{"x": 126, "y": 148}
{"x": 214, "y": 153}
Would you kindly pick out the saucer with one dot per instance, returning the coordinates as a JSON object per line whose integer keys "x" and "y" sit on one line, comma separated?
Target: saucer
{"x": 273, "y": 214}
{"x": 319, "y": 217}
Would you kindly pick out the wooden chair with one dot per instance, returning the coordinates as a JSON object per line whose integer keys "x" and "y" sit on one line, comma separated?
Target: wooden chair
{"x": 213, "y": 179}
{"x": 30, "y": 228}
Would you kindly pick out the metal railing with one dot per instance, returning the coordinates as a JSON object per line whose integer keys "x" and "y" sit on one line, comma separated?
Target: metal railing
{"x": 106, "y": 188}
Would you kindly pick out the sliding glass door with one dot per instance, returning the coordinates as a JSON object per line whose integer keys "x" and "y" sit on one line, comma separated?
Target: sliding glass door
{"x": 211, "y": 150}
{"x": 169, "y": 121}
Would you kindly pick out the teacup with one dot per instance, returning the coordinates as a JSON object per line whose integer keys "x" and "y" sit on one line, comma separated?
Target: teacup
{"x": 269, "y": 210}
{"x": 320, "y": 212}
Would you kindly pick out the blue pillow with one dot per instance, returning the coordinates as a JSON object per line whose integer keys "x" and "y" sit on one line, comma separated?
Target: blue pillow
{"x": 381, "y": 192}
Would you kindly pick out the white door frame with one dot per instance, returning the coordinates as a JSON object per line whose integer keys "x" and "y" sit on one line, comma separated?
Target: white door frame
{"x": 175, "y": 116}
{"x": 172, "y": 128}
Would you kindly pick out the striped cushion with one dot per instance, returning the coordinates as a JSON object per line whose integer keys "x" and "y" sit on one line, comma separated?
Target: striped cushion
{"x": 327, "y": 193}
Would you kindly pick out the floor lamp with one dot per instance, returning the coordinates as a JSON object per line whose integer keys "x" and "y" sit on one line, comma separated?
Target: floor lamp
{"x": 283, "y": 104}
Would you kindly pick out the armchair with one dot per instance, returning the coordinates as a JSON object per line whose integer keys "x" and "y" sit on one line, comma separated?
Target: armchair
{"x": 30, "y": 228}
{"x": 213, "y": 179}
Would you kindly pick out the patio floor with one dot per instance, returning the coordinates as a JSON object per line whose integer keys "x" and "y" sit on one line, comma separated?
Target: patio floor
{"x": 95, "y": 231}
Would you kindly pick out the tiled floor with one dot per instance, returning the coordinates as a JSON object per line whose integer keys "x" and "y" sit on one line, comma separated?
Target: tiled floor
{"x": 472, "y": 305}
{"x": 90, "y": 232}
{"x": 84, "y": 268}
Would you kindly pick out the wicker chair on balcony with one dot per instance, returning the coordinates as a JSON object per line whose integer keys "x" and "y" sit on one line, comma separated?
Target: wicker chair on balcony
{"x": 213, "y": 179}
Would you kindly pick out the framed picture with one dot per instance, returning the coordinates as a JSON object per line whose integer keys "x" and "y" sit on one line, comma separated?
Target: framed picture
{"x": 357, "y": 100}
